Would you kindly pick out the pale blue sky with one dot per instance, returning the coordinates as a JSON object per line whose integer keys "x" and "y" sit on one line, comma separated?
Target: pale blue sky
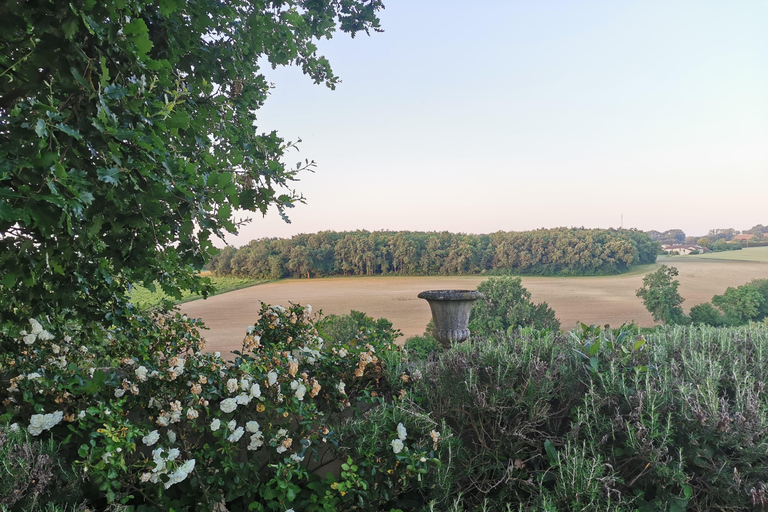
{"x": 512, "y": 115}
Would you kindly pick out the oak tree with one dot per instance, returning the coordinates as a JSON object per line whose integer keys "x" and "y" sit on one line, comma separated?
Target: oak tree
{"x": 129, "y": 136}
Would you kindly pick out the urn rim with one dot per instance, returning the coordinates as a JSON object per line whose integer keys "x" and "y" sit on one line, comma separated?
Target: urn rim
{"x": 450, "y": 295}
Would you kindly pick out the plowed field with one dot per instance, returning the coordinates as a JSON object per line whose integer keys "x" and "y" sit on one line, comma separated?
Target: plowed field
{"x": 592, "y": 300}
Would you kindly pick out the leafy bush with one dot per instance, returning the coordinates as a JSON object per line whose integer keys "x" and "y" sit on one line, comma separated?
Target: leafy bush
{"x": 154, "y": 422}
{"x": 745, "y": 303}
{"x": 506, "y": 306}
{"x": 356, "y": 327}
{"x": 422, "y": 347}
{"x": 706, "y": 314}
{"x": 674, "y": 418}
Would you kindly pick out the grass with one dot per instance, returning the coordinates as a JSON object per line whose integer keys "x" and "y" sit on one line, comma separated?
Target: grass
{"x": 754, "y": 254}
{"x": 144, "y": 298}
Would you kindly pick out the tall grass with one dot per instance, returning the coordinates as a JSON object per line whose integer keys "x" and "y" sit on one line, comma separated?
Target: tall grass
{"x": 144, "y": 298}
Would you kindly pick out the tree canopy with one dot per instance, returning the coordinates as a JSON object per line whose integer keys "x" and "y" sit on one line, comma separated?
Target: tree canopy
{"x": 559, "y": 251}
{"x": 128, "y": 137}
{"x": 660, "y": 295}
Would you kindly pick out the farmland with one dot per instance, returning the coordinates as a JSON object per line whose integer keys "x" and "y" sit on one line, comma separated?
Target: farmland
{"x": 592, "y": 300}
{"x": 756, "y": 254}
{"x": 142, "y": 297}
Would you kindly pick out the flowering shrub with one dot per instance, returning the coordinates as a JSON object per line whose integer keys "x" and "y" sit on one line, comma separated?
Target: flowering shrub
{"x": 157, "y": 422}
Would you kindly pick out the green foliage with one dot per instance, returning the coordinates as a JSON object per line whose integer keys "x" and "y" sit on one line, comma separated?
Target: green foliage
{"x": 660, "y": 296}
{"x": 506, "y": 306}
{"x": 356, "y": 328}
{"x": 598, "y": 419}
{"x": 151, "y": 421}
{"x": 422, "y": 347}
{"x": 746, "y": 303}
{"x": 671, "y": 236}
{"x": 558, "y": 251}
{"x": 741, "y": 304}
{"x": 675, "y": 419}
{"x": 33, "y": 476}
{"x": 129, "y": 139}
{"x": 706, "y": 314}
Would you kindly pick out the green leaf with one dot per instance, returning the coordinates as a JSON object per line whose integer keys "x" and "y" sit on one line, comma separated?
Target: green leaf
{"x": 551, "y": 452}
{"x": 69, "y": 131}
{"x": 178, "y": 119}
{"x": 593, "y": 363}
{"x": 104, "y": 71}
{"x": 137, "y": 32}
{"x": 40, "y": 129}
{"x": 9, "y": 280}
{"x": 69, "y": 27}
{"x": 110, "y": 176}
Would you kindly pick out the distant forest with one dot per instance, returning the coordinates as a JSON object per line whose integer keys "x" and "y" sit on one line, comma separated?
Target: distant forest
{"x": 560, "y": 251}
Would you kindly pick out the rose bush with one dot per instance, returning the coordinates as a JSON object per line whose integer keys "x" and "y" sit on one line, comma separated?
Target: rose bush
{"x": 156, "y": 423}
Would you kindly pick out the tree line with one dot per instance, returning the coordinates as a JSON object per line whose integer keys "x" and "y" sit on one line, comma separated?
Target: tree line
{"x": 722, "y": 235}
{"x": 560, "y": 251}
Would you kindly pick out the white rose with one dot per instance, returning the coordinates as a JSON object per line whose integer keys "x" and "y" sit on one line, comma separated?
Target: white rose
{"x": 236, "y": 435}
{"x": 36, "y": 327}
{"x": 401, "y": 432}
{"x": 397, "y": 445}
{"x": 151, "y": 438}
{"x": 228, "y": 405}
{"x": 141, "y": 373}
{"x": 215, "y": 424}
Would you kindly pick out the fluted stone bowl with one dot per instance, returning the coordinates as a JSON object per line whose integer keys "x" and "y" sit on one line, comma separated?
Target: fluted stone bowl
{"x": 450, "y": 312}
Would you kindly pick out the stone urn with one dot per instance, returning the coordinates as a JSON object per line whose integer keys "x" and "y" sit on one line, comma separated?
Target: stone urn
{"x": 450, "y": 312}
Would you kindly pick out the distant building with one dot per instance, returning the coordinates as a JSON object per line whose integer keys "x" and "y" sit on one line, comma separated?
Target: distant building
{"x": 742, "y": 238}
{"x": 683, "y": 248}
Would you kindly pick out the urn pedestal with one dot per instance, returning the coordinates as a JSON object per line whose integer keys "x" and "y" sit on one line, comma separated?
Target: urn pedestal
{"x": 450, "y": 312}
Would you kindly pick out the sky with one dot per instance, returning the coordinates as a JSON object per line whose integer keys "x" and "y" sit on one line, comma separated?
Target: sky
{"x": 483, "y": 116}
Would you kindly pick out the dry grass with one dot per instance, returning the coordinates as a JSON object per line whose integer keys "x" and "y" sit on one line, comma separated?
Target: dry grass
{"x": 592, "y": 300}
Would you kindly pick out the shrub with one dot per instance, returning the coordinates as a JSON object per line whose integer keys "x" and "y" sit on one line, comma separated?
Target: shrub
{"x": 156, "y": 423}
{"x": 422, "y": 347}
{"x": 507, "y": 305}
{"x": 355, "y": 328}
{"x": 706, "y": 314}
{"x": 675, "y": 419}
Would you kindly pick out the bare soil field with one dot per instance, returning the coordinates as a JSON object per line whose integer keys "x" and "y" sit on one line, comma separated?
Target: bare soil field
{"x": 592, "y": 300}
